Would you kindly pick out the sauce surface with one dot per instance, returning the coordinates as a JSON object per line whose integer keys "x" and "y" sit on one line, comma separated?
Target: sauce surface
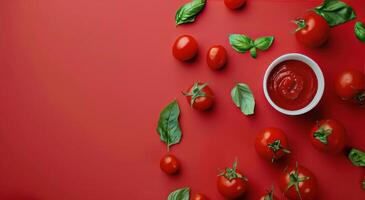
{"x": 292, "y": 85}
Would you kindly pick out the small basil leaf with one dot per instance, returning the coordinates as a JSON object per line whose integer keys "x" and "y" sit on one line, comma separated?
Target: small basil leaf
{"x": 240, "y": 43}
{"x": 180, "y": 194}
{"x": 168, "y": 124}
{"x": 360, "y": 31}
{"x": 263, "y": 43}
{"x": 188, "y": 12}
{"x": 335, "y": 12}
{"x": 357, "y": 157}
{"x": 253, "y": 52}
{"x": 243, "y": 98}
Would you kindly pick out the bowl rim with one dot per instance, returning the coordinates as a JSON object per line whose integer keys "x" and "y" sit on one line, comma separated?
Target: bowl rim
{"x": 320, "y": 82}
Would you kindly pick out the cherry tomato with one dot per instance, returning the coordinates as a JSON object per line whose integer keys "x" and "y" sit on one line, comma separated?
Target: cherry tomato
{"x": 231, "y": 183}
{"x": 298, "y": 183}
{"x": 312, "y": 31}
{"x": 216, "y": 57}
{"x": 199, "y": 196}
{"x": 169, "y": 164}
{"x": 269, "y": 195}
{"x": 185, "y": 48}
{"x": 234, "y": 4}
{"x": 329, "y": 136}
{"x": 271, "y": 144}
{"x": 200, "y": 96}
{"x": 350, "y": 85}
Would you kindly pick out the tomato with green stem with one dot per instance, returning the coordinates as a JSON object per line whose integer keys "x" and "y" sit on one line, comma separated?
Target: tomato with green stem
{"x": 200, "y": 96}
{"x": 329, "y": 136}
{"x": 234, "y": 4}
{"x": 350, "y": 86}
{"x": 170, "y": 164}
{"x": 298, "y": 183}
{"x": 231, "y": 183}
{"x": 185, "y": 48}
{"x": 199, "y": 196}
{"x": 313, "y": 30}
{"x": 271, "y": 144}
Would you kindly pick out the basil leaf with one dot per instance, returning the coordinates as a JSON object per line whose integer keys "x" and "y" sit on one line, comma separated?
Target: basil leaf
{"x": 360, "y": 31}
{"x": 357, "y": 157}
{"x": 188, "y": 12}
{"x": 363, "y": 184}
{"x": 243, "y": 98}
{"x": 168, "y": 124}
{"x": 263, "y": 43}
{"x": 240, "y": 43}
{"x": 335, "y": 12}
{"x": 253, "y": 52}
{"x": 180, "y": 194}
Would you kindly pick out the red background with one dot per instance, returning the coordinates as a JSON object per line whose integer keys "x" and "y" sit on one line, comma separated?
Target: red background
{"x": 83, "y": 81}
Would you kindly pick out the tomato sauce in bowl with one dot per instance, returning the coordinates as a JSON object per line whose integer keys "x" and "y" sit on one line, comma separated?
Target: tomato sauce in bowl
{"x": 292, "y": 84}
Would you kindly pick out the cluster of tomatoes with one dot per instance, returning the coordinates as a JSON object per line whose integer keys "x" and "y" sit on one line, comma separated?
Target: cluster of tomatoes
{"x": 296, "y": 182}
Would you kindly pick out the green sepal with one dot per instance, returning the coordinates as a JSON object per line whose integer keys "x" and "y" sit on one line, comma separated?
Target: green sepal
{"x": 275, "y": 147}
{"x": 196, "y": 92}
{"x": 322, "y": 134}
{"x": 231, "y": 173}
{"x": 294, "y": 180}
{"x": 301, "y": 24}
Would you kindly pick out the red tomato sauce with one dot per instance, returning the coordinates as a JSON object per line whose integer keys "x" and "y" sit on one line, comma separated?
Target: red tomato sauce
{"x": 292, "y": 85}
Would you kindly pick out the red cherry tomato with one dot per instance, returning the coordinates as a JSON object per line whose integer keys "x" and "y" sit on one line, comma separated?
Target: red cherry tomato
{"x": 350, "y": 85}
{"x": 231, "y": 183}
{"x": 169, "y": 164}
{"x": 271, "y": 144}
{"x": 234, "y": 4}
{"x": 185, "y": 48}
{"x": 298, "y": 183}
{"x": 312, "y": 31}
{"x": 329, "y": 136}
{"x": 200, "y": 96}
{"x": 199, "y": 196}
{"x": 216, "y": 57}
{"x": 269, "y": 195}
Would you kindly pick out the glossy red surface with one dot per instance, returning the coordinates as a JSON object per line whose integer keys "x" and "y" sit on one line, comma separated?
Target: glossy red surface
{"x": 82, "y": 84}
{"x": 292, "y": 84}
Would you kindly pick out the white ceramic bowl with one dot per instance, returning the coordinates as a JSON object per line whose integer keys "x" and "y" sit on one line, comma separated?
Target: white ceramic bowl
{"x": 318, "y": 72}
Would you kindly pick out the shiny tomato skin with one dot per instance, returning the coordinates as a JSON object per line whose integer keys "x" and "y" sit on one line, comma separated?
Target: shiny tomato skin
{"x": 199, "y": 196}
{"x": 234, "y": 4}
{"x": 308, "y": 189}
{"x": 185, "y": 48}
{"x": 202, "y": 103}
{"x": 268, "y": 136}
{"x": 336, "y": 141}
{"x": 349, "y": 83}
{"x": 169, "y": 164}
{"x": 316, "y": 31}
{"x": 216, "y": 57}
{"x": 232, "y": 189}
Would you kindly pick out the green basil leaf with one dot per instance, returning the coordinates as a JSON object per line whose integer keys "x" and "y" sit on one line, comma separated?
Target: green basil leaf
{"x": 243, "y": 98}
{"x": 335, "y": 12}
{"x": 253, "y": 52}
{"x": 360, "y": 31}
{"x": 240, "y": 43}
{"x": 168, "y": 124}
{"x": 188, "y": 12}
{"x": 263, "y": 43}
{"x": 357, "y": 157}
{"x": 180, "y": 194}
